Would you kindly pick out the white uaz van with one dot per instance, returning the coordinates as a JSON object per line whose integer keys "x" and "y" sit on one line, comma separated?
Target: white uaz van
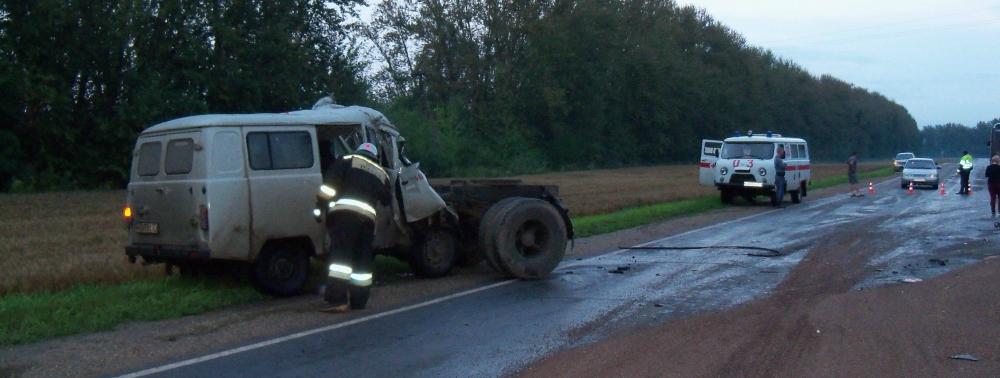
{"x": 744, "y": 166}
{"x": 243, "y": 188}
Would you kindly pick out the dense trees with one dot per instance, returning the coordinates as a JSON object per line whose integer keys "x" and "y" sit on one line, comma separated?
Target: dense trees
{"x": 478, "y": 86}
{"x": 518, "y": 85}
{"x": 949, "y": 140}
{"x": 80, "y": 78}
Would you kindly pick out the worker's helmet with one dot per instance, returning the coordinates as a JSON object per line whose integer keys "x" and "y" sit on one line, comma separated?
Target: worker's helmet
{"x": 368, "y": 149}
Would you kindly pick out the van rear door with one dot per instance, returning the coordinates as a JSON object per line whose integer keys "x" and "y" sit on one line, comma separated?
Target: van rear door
{"x": 166, "y": 192}
{"x": 710, "y": 150}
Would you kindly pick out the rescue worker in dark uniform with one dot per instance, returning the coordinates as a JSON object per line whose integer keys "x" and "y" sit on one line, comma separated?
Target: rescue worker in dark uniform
{"x": 355, "y": 186}
{"x": 779, "y": 177}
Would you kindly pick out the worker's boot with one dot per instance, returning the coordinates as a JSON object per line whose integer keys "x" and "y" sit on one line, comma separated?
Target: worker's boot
{"x": 336, "y": 296}
{"x": 359, "y": 297}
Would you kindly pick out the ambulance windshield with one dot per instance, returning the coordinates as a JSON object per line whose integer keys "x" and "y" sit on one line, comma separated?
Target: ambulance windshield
{"x": 748, "y": 151}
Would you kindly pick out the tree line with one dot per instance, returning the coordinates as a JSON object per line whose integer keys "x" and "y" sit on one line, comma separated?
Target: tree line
{"x": 478, "y": 87}
{"x": 951, "y": 139}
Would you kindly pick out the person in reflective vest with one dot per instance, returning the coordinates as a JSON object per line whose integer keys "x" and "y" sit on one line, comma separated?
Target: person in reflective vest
{"x": 355, "y": 186}
{"x": 964, "y": 170}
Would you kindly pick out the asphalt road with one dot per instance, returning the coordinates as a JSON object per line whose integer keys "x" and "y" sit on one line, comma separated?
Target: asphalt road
{"x": 500, "y": 329}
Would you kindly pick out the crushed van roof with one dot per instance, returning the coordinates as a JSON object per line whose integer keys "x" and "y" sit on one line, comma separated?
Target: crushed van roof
{"x": 325, "y": 115}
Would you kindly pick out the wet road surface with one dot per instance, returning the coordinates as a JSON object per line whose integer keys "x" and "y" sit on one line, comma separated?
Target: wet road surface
{"x": 502, "y": 329}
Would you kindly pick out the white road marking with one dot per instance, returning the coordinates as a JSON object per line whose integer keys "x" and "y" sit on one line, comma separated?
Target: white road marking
{"x": 349, "y": 323}
{"x": 299, "y": 335}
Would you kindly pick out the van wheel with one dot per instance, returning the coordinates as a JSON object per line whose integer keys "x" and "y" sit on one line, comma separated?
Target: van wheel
{"x": 749, "y": 197}
{"x": 434, "y": 256}
{"x": 726, "y": 196}
{"x": 803, "y": 190}
{"x": 281, "y": 269}
{"x": 530, "y": 240}
{"x": 795, "y": 196}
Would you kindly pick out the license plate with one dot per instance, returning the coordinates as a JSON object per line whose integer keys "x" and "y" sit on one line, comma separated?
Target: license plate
{"x": 147, "y": 228}
{"x": 918, "y": 180}
{"x": 753, "y": 184}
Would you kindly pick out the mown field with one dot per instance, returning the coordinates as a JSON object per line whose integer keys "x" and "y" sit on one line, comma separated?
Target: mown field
{"x": 53, "y": 241}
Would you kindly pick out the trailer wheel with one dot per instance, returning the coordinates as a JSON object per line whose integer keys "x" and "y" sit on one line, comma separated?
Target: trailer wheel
{"x": 531, "y": 239}
{"x": 434, "y": 256}
{"x": 281, "y": 269}
{"x": 489, "y": 226}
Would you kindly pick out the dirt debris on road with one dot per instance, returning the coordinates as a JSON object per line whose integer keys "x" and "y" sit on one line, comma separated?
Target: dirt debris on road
{"x": 814, "y": 324}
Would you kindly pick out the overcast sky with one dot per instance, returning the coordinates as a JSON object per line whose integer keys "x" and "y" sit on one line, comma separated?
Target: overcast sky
{"x": 940, "y": 59}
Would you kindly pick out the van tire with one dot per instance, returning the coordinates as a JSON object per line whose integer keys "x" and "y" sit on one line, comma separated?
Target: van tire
{"x": 795, "y": 196}
{"x": 281, "y": 269}
{"x": 434, "y": 255}
{"x": 530, "y": 240}
{"x": 726, "y": 195}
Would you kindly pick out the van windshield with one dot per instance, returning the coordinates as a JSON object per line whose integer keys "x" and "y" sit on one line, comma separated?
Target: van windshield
{"x": 748, "y": 151}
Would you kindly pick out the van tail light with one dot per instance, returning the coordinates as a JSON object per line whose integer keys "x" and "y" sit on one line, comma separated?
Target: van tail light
{"x": 203, "y": 217}
{"x": 127, "y": 214}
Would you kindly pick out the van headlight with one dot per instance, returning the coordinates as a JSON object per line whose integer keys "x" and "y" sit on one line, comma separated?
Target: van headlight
{"x": 723, "y": 171}
{"x": 762, "y": 171}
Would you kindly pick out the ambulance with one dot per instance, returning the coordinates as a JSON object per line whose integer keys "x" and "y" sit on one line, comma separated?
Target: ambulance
{"x": 744, "y": 166}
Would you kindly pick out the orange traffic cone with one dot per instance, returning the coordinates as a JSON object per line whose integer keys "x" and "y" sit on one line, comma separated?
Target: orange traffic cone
{"x": 910, "y": 189}
{"x": 871, "y": 188}
{"x": 941, "y": 189}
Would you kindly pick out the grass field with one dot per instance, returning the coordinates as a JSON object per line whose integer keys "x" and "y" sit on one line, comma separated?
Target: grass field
{"x": 63, "y": 269}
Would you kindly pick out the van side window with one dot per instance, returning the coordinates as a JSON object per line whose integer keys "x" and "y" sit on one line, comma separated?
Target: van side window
{"x": 149, "y": 159}
{"x": 280, "y": 150}
{"x": 794, "y": 151}
{"x": 802, "y": 151}
{"x": 180, "y": 155}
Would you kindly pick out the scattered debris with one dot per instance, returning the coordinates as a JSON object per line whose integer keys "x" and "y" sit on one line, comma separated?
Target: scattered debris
{"x": 861, "y": 289}
{"x": 657, "y": 274}
{"x": 657, "y": 305}
{"x": 911, "y": 280}
{"x": 941, "y": 262}
{"x": 569, "y": 272}
{"x": 964, "y": 357}
{"x": 620, "y": 270}
{"x": 879, "y": 269}
{"x": 895, "y": 272}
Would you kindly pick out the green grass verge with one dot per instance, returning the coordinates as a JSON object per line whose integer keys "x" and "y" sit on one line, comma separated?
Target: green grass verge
{"x": 636, "y": 216}
{"x": 88, "y": 308}
{"x": 842, "y": 179}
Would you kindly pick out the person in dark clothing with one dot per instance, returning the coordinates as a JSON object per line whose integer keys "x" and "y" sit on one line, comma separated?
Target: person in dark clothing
{"x": 779, "y": 177}
{"x": 355, "y": 185}
{"x": 852, "y": 175}
{"x": 993, "y": 183}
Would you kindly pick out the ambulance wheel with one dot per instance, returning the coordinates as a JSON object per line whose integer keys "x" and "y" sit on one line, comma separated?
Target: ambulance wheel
{"x": 803, "y": 190}
{"x": 749, "y": 197}
{"x": 434, "y": 255}
{"x": 795, "y": 195}
{"x": 281, "y": 269}
{"x": 726, "y": 195}
{"x": 531, "y": 239}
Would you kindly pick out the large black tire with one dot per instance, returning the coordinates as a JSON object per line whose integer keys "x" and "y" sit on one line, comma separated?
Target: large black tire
{"x": 489, "y": 226}
{"x": 805, "y": 193}
{"x": 749, "y": 197}
{"x": 434, "y": 255}
{"x": 531, "y": 239}
{"x": 795, "y": 196}
{"x": 281, "y": 269}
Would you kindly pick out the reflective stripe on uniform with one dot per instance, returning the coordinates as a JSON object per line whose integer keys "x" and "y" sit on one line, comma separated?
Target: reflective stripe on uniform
{"x": 343, "y": 272}
{"x": 353, "y": 205}
{"x": 361, "y": 279}
{"x": 367, "y": 165}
